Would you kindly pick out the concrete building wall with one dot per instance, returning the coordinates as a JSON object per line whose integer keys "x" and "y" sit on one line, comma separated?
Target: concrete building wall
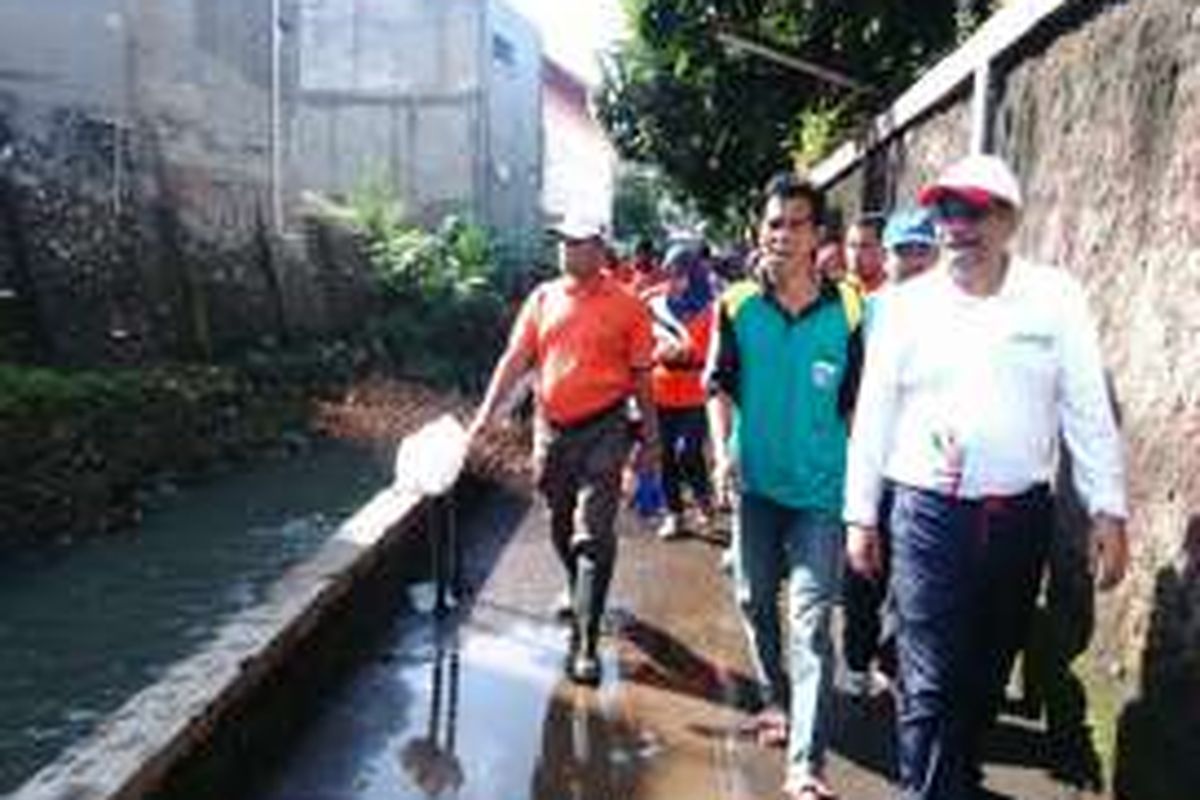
{"x": 894, "y": 172}
{"x": 81, "y": 63}
{"x": 153, "y": 154}
{"x": 143, "y": 178}
{"x": 391, "y": 93}
{"x": 580, "y": 161}
{"x": 437, "y": 100}
{"x": 135, "y": 129}
{"x": 513, "y": 157}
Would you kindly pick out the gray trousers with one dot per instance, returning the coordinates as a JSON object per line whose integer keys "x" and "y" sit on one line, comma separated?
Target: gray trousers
{"x": 578, "y": 470}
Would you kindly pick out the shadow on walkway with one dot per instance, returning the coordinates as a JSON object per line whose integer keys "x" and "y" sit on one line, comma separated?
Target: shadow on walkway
{"x": 671, "y": 665}
{"x": 1158, "y": 738}
{"x": 1062, "y": 630}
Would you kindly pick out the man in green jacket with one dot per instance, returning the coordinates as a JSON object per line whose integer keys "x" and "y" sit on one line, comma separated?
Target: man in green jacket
{"x": 784, "y": 370}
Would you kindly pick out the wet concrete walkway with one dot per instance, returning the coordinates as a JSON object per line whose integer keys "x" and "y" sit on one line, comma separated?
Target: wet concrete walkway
{"x": 474, "y": 706}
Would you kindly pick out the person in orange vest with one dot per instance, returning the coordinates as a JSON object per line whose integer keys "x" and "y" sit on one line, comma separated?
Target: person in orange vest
{"x": 682, "y": 311}
{"x": 648, "y": 274}
{"x": 620, "y": 271}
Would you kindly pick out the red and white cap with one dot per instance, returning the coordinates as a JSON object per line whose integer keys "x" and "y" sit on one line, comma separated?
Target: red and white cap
{"x": 979, "y": 178}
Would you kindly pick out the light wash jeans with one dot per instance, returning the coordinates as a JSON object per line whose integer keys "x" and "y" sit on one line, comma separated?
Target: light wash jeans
{"x": 771, "y": 543}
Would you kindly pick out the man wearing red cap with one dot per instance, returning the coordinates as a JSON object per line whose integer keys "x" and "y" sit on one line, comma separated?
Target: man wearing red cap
{"x": 978, "y": 367}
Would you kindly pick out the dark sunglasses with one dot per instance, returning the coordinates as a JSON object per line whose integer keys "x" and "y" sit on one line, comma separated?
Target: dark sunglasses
{"x": 952, "y": 206}
{"x": 913, "y": 249}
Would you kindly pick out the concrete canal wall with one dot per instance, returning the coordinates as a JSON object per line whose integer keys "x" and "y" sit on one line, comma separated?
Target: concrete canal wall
{"x": 199, "y": 730}
{"x": 158, "y": 162}
{"x": 1098, "y": 108}
{"x": 143, "y": 185}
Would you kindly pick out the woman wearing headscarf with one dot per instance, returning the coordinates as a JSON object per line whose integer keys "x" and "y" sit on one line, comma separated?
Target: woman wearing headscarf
{"x": 682, "y": 311}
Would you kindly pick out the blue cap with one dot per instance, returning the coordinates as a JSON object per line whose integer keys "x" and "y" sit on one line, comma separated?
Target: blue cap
{"x": 909, "y": 226}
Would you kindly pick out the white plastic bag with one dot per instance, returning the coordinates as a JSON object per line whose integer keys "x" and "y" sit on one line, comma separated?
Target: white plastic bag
{"x": 429, "y": 461}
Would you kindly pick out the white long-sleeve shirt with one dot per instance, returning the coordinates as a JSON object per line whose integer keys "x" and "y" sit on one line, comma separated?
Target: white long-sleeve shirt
{"x": 967, "y": 395}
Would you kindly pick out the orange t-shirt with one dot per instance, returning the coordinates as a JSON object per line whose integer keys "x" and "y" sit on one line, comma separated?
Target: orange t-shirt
{"x": 587, "y": 339}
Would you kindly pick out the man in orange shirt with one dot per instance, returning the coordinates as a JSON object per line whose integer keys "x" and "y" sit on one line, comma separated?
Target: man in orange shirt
{"x": 589, "y": 341}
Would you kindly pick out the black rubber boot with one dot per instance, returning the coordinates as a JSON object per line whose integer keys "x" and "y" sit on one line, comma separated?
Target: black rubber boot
{"x": 583, "y": 664}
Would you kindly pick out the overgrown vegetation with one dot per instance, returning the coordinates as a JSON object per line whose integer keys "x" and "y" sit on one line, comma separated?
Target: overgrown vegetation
{"x": 446, "y": 316}
{"x": 646, "y": 204}
{"x": 79, "y": 446}
{"x": 817, "y": 131}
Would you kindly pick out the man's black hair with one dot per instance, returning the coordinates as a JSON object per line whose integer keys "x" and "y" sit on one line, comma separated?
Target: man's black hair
{"x": 871, "y": 219}
{"x": 831, "y": 225}
{"x": 644, "y": 246}
{"x": 789, "y": 186}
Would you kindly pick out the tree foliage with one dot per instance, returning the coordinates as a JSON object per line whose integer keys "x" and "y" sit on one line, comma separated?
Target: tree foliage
{"x": 647, "y": 205}
{"x": 717, "y": 122}
{"x": 636, "y": 204}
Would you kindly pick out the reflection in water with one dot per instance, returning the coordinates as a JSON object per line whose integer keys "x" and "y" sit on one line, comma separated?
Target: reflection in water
{"x": 430, "y": 760}
{"x": 585, "y": 755}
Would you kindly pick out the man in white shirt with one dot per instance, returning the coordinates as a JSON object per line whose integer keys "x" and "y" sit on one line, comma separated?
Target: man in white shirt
{"x": 977, "y": 368}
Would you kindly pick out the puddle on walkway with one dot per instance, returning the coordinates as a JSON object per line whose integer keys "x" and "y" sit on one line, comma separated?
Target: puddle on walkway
{"x": 470, "y": 711}
{"x": 475, "y": 707}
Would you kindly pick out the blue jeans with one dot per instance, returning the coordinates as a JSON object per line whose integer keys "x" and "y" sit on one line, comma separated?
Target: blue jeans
{"x": 965, "y": 576}
{"x": 770, "y": 543}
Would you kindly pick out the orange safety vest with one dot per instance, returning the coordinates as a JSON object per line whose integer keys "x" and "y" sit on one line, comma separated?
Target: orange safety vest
{"x": 680, "y": 384}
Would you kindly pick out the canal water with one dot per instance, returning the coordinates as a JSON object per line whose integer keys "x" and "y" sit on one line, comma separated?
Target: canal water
{"x": 85, "y": 626}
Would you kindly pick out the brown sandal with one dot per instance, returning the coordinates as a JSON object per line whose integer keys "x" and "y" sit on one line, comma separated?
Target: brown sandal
{"x": 810, "y": 789}
{"x": 769, "y": 727}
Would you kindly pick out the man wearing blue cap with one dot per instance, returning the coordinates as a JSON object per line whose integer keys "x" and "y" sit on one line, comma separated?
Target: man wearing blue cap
{"x": 910, "y": 245}
{"x": 910, "y": 241}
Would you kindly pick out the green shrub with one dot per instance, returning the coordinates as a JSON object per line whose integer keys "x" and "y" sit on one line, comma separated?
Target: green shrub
{"x": 446, "y": 314}
{"x": 77, "y": 446}
{"x": 817, "y": 131}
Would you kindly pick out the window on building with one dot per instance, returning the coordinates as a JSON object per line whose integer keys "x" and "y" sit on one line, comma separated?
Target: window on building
{"x": 503, "y": 50}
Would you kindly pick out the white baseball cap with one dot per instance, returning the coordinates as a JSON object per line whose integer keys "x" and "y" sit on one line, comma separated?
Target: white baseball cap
{"x": 578, "y": 228}
{"x": 979, "y": 178}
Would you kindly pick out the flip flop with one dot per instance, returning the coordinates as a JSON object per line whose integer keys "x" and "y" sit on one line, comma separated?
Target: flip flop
{"x": 769, "y": 727}
{"x": 810, "y": 789}
{"x": 773, "y": 735}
